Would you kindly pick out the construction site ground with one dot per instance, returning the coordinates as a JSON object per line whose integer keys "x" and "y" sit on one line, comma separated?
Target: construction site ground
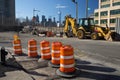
{"x": 22, "y": 67}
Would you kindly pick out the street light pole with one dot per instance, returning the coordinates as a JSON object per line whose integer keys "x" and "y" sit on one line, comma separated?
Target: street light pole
{"x": 86, "y": 8}
{"x": 76, "y": 9}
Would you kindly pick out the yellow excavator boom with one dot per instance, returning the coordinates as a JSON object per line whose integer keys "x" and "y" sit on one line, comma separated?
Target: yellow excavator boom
{"x": 72, "y": 23}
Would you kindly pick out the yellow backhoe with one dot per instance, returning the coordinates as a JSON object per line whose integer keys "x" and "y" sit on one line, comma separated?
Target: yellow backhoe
{"x": 85, "y": 28}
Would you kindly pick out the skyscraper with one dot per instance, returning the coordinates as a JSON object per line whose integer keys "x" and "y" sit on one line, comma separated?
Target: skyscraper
{"x": 43, "y": 22}
{"x": 7, "y": 13}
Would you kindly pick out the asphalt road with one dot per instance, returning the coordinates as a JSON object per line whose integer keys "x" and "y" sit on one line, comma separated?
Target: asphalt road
{"x": 100, "y": 48}
{"x": 87, "y": 53}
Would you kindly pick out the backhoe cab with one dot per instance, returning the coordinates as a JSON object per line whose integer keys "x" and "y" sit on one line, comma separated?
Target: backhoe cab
{"x": 86, "y": 28}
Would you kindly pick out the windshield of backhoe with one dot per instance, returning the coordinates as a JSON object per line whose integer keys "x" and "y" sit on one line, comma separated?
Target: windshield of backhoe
{"x": 92, "y": 22}
{"x": 86, "y": 22}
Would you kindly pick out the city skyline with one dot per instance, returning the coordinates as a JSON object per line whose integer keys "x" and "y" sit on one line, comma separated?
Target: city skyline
{"x": 65, "y": 6}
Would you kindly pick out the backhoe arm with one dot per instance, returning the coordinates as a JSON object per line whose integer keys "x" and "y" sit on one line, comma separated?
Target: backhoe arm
{"x": 72, "y": 23}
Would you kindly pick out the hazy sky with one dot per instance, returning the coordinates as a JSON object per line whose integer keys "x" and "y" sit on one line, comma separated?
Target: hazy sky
{"x": 49, "y": 8}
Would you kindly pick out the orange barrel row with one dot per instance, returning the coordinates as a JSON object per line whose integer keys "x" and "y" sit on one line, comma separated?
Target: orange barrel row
{"x": 56, "y": 52}
{"x": 17, "y": 46}
{"x": 66, "y": 59}
{"x": 32, "y": 48}
{"x": 45, "y": 50}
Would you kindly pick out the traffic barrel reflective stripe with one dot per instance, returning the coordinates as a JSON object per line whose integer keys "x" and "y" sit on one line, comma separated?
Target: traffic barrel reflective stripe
{"x": 45, "y": 50}
{"x": 32, "y": 52}
{"x": 56, "y": 53}
{"x": 32, "y": 48}
{"x": 67, "y": 66}
{"x": 46, "y": 54}
{"x": 17, "y": 49}
{"x": 67, "y": 59}
{"x": 17, "y": 46}
{"x": 56, "y": 58}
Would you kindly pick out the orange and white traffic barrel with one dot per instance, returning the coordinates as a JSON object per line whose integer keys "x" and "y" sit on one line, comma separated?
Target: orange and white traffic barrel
{"x": 17, "y": 46}
{"x": 45, "y": 50}
{"x": 55, "y": 62}
{"x": 67, "y": 62}
{"x": 32, "y": 48}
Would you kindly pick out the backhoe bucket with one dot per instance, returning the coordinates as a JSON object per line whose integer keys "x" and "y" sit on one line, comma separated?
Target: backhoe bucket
{"x": 108, "y": 36}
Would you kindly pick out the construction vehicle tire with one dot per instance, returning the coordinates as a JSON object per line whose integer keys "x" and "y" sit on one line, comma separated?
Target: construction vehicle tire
{"x": 94, "y": 36}
{"x": 80, "y": 34}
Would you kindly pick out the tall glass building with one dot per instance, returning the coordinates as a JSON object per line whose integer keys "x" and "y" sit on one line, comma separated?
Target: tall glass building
{"x": 107, "y": 13}
{"x": 7, "y": 13}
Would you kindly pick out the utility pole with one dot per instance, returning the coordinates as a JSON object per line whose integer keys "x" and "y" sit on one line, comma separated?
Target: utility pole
{"x": 76, "y": 9}
{"x": 86, "y": 8}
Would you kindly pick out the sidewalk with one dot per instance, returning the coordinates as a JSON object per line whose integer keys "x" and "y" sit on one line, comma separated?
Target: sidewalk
{"x": 25, "y": 68}
{"x": 12, "y": 71}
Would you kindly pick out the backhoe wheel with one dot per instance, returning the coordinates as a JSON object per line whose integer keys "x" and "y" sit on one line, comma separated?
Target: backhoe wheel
{"x": 80, "y": 34}
{"x": 94, "y": 36}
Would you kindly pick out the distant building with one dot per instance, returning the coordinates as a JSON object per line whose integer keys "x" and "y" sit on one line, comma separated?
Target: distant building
{"x": 7, "y": 13}
{"x": 54, "y": 24}
{"x": 107, "y": 13}
{"x": 48, "y": 22}
{"x": 43, "y": 22}
{"x": 43, "y": 18}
